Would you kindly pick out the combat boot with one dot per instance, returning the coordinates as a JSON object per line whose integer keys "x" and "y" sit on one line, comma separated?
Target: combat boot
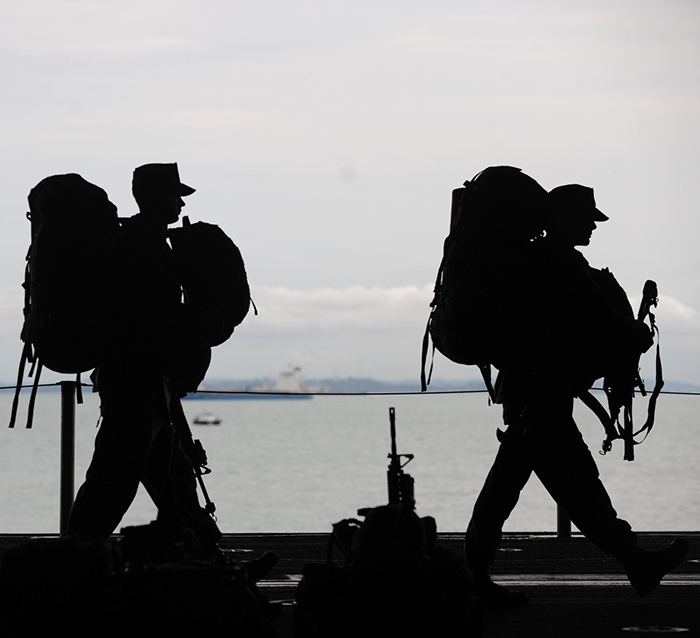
{"x": 646, "y": 569}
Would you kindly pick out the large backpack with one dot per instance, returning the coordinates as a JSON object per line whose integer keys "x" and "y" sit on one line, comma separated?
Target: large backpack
{"x": 477, "y": 313}
{"x": 213, "y": 278}
{"x": 73, "y": 229}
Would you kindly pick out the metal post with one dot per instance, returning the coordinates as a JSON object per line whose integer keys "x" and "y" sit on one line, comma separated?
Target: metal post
{"x": 67, "y": 450}
{"x": 563, "y": 524}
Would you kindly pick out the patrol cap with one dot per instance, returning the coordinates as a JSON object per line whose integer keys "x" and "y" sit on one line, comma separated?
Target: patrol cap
{"x": 158, "y": 177}
{"x": 577, "y": 197}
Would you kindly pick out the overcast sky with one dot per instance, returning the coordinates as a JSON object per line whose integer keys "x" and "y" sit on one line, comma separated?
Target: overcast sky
{"x": 325, "y": 137}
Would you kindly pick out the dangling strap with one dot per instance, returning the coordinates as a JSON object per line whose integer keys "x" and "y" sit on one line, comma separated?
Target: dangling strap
{"x": 78, "y": 389}
{"x": 485, "y": 369}
{"x": 32, "y": 398}
{"x": 658, "y": 385}
{"x": 425, "y": 381}
{"x": 27, "y": 353}
{"x": 628, "y": 431}
{"x": 592, "y": 403}
{"x": 649, "y": 300}
{"x": 25, "y": 356}
{"x": 35, "y": 371}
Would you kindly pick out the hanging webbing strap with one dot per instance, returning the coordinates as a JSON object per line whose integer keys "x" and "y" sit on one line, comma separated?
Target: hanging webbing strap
{"x": 24, "y": 358}
{"x": 611, "y": 431}
{"x": 485, "y": 369}
{"x": 650, "y": 298}
{"x": 35, "y": 387}
{"x": 425, "y": 380}
{"x": 27, "y": 355}
{"x": 658, "y": 385}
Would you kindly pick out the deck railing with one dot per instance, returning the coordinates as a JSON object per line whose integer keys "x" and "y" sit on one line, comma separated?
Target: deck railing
{"x": 69, "y": 394}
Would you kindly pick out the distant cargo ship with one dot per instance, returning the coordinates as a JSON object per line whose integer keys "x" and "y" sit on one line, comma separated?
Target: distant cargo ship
{"x": 289, "y": 384}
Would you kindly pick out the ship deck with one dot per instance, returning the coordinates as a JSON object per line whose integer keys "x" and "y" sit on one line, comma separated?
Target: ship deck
{"x": 574, "y": 589}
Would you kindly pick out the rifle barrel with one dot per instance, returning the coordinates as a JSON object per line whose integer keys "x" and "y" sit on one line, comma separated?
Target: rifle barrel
{"x": 392, "y": 423}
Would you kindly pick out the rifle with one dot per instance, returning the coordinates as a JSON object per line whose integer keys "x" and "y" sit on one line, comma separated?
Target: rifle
{"x": 193, "y": 449}
{"x": 626, "y": 430}
{"x": 400, "y": 484}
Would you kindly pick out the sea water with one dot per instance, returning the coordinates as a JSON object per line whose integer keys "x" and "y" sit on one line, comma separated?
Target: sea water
{"x": 302, "y": 465}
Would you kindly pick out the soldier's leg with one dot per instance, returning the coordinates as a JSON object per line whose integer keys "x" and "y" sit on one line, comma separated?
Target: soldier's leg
{"x": 171, "y": 483}
{"x": 570, "y": 475}
{"x": 499, "y": 495}
{"x": 119, "y": 457}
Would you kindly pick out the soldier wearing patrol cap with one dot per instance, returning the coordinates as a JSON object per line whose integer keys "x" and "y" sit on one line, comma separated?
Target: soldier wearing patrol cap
{"x": 575, "y": 213}
{"x": 155, "y": 352}
{"x": 580, "y": 326}
{"x": 158, "y": 191}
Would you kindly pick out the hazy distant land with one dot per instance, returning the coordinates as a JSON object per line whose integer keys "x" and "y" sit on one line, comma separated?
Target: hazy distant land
{"x": 363, "y": 384}
{"x": 352, "y": 385}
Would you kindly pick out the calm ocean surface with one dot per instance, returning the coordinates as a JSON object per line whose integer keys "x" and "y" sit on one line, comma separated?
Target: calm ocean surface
{"x": 301, "y": 465}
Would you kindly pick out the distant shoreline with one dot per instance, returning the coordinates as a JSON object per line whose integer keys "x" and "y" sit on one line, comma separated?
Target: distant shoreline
{"x": 349, "y": 385}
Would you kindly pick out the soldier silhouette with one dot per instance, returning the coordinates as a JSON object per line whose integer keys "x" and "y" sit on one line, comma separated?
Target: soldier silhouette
{"x": 155, "y": 351}
{"x": 580, "y": 324}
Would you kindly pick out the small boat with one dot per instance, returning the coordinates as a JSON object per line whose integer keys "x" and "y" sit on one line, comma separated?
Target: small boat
{"x": 207, "y": 418}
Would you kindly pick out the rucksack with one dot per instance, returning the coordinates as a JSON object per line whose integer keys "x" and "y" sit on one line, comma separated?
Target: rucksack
{"x": 477, "y": 312}
{"x": 213, "y": 277}
{"x": 73, "y": 230}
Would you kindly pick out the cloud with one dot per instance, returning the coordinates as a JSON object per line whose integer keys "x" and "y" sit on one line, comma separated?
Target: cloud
{"x": 265, "y": 102}
{"x": 328, "y": 330}
{"x": 378, "y": 332}
{"x": 676, "y": 311}
{"x": 672, "y": 315}
{"x": 377, "y": 309}
{"x": 354, "y": 331}
{"x": 356, "y": 308}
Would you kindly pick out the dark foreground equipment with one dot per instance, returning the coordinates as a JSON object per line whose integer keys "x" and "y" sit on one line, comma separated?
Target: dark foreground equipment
{"x": 393, "y": 577}
{"x": 85, "y": 588}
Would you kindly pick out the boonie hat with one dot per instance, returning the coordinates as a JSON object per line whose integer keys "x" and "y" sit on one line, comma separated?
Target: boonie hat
{"x": 577, "y": 197}
{"x": 159, "y": 177}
